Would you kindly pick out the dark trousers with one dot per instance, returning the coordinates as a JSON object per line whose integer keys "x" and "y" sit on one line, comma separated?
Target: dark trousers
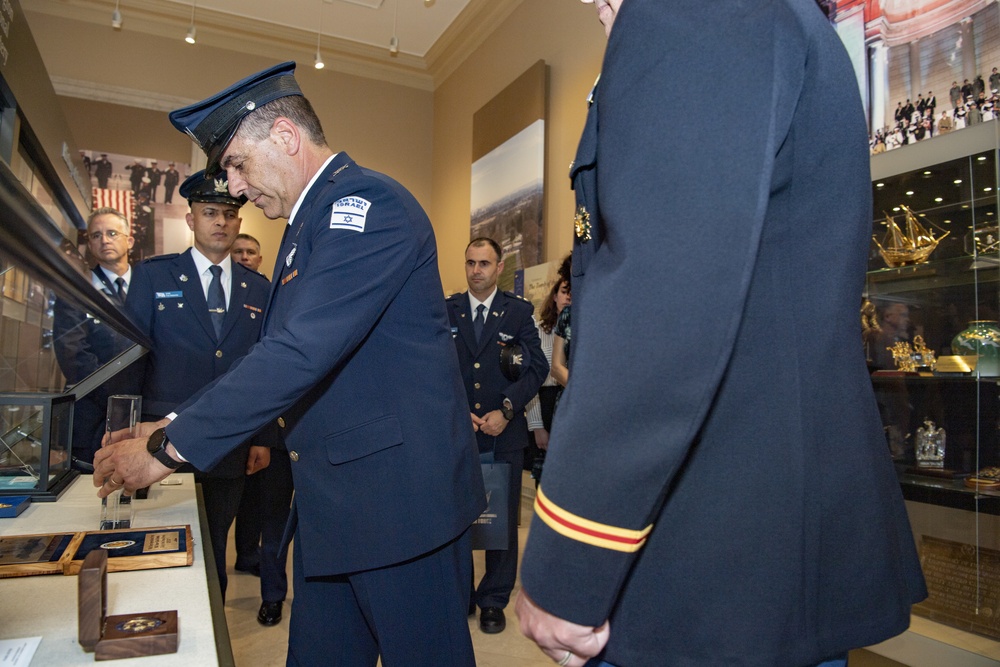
{"x": 412, "y": 614}
{"x": 501, "y": 566}
{"x": 222, "y": 499}
{"x": 260, "y": 525}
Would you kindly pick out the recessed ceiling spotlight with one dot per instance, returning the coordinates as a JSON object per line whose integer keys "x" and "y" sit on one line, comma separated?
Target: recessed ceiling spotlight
{"x": 880, "y": 185}
{"x": 909, "y": 193}
{"x": 958, "y": 181}
{"x": 895, "y": 209}
{"x": 938, "y": 199}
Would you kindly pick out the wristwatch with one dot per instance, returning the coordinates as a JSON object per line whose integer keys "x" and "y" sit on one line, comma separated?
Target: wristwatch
{"x": 157, "y": 446}
{"x": 507, "y": 409}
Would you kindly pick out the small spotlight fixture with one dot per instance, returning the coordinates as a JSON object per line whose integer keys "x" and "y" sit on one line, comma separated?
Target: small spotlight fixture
{"x": 394, "y": 40}
{"x": 116, "y": 18}
{"x": 927, "y": 173}
{"x": 880, "y": 185}
{"x": 987, "y": 189}
{"x": 909, "y": 193}
{"x": 938, "y": 199}
{"x": 318, "y": 62}
{"x": 958, "y": 181}
{"x": 191, "y": 36}
{"x": 981, "y": 158}
{"x": 895, "y": 209}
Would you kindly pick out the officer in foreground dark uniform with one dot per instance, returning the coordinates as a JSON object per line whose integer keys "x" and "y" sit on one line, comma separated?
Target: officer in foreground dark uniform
{"x": 717, "y": 355}
{"x": 485, "y": 321}
{"x": 202, "y": 311}
{"x": 357, "y": 368}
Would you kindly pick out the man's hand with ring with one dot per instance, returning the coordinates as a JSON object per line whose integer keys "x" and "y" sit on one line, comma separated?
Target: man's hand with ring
{"x": 127, "y": 463}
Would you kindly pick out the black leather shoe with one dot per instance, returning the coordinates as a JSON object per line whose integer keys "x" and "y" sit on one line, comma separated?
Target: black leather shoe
{"x": 492, "y": 621}
{"x": 269, "y": 614}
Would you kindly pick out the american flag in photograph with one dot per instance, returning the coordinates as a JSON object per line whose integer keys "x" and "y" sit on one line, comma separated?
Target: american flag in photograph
{"x": 121, "y": 200}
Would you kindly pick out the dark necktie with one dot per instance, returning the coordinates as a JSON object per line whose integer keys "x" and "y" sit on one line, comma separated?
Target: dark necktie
{"x": 480, "y": 319}
{"x": 216, "y": 300}
{"x": 120, "y": 291}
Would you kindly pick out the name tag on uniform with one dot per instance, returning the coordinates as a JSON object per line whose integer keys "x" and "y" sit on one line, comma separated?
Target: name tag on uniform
{"x": 169, "y": 295}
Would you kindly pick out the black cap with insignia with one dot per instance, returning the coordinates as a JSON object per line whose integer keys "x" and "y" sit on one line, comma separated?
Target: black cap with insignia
{"x": 213, "y": 121}
{"x": 511, "y": 361}
{"x": 198, "y": 187}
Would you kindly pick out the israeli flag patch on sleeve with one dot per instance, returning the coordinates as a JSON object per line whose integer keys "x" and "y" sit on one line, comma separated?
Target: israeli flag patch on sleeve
{"x": 349, "y": 213}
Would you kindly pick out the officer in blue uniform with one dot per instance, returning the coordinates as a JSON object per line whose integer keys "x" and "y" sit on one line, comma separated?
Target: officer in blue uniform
{"x": 357, "y": 367}
{"x": 718, "y": 489}
{"x": 484, "y": 322}
{"x": 199, "y": 326}
{"x": 83, "y": 344}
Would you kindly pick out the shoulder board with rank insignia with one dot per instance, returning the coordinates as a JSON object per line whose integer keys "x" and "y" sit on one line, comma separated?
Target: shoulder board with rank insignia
{"x": 160, "y": 258}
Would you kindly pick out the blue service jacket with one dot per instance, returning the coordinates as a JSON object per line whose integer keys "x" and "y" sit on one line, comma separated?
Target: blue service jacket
{"x": 718, "y": 484}
{"x": 357, "y": 367}
{"x": 166, "y": 301}
{"x": 509, "y": 323}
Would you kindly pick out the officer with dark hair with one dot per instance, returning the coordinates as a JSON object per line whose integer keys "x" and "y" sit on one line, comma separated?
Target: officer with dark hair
{"x": 202, "y": 311}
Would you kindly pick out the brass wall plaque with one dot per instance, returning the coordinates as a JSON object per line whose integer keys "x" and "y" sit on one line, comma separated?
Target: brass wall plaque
{"x": 964, "y": 585}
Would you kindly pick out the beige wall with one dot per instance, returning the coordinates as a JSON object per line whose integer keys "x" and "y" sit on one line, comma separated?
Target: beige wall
{"x": 422, "y": 139}
{"x": 567, "y": 36}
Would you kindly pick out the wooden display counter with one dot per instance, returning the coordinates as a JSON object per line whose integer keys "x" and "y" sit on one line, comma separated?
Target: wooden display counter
{"x": 46, "y": 605}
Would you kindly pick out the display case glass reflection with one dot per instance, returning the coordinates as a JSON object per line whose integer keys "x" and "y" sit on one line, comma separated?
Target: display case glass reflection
{"x": 935, "y": 301}
{"x": 56, "y": 345}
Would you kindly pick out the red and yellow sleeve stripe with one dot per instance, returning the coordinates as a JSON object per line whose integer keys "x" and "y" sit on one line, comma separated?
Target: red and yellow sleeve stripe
{"x": 583, "y": 530}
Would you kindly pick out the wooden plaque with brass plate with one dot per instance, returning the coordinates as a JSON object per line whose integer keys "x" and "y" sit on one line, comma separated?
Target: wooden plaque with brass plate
{"x": 125, "y": 635}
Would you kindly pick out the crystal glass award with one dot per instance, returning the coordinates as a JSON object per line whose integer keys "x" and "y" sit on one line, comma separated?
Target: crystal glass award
{"x": 124, "y": 412}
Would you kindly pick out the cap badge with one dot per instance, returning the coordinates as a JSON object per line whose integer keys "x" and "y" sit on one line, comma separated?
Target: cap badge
{"x": 251, "y": 105}
{"x": 221, "y": 186}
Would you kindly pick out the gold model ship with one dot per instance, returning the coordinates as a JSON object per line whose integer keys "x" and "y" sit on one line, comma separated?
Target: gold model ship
{"x": 912, "y": 246}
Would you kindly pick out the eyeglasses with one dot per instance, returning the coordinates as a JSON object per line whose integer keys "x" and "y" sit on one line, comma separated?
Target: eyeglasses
{"x": 111, "y": 234}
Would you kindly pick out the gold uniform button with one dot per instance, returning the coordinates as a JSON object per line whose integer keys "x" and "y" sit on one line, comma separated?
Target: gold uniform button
{"x": 475, "y": 365}
{"x": 281, "y": 422}
{"x": 293, "y": 455}
{"x": 477, "y": 385}
{"x": 218, "y": 354}
{"x": 478, "y": 406}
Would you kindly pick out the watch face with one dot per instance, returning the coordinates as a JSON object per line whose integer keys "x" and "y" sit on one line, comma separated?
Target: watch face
{"x": 155, "y": 441}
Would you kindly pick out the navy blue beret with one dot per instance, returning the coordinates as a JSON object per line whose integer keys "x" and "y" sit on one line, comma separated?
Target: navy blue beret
{"x": 213, "y": 121}
{"x": 198, "y": 187}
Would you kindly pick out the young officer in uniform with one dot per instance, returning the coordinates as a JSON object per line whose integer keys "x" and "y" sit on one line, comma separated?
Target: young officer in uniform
{"x": 484, "y": 321}
{"x": 749, "y": 513}
{"x": 202, "y": 312}
{"x": 357, "y": 367}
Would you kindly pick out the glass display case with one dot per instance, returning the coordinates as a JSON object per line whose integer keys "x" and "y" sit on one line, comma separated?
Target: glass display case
{"x": 35, "y": 443}
{"x": 930, "y": 318}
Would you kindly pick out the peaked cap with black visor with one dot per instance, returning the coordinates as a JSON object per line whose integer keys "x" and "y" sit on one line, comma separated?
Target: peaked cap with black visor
{"x": 213, "y": 122}
{"x": 201, "y": 188}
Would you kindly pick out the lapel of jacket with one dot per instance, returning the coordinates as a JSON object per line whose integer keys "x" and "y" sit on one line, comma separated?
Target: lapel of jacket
{"x": 290, "y": 239}
{"x": 109, "y": 287}
{"x": 497, "y": 310}
{"x": 464, "y": 320}
{"x": 186, "y": 276}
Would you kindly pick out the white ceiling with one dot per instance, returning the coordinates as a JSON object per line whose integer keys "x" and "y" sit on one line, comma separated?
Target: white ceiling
{"x": 418, "y": 24}
{"x": 434, "y": 36}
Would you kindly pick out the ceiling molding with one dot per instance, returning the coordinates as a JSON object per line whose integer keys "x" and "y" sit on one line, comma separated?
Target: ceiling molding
{"x": 465, "y": 34}
{"x": 130, "y": 97}
{"x": 247, "y": 35}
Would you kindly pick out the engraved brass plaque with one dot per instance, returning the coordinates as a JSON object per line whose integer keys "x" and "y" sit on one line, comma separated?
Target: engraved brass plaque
{"x": 964, "y": 585}
{"x": 161, "y": 542}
